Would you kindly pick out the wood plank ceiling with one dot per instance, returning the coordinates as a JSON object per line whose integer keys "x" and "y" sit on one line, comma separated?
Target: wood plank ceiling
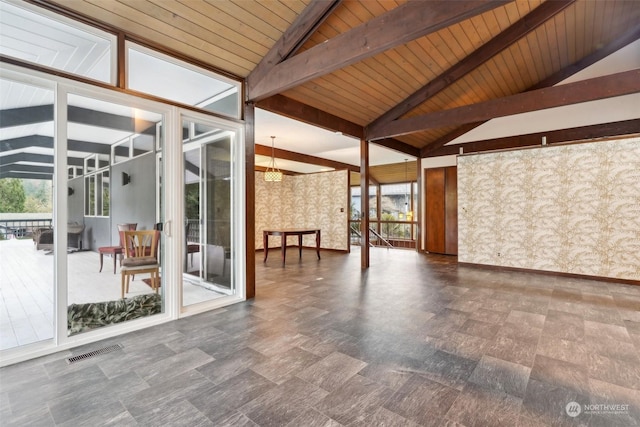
{"x": 535, "y": 43}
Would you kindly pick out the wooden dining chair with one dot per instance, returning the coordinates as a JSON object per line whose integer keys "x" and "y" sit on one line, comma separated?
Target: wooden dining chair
{"x": 116, "y": 251}
{"x": 140, "y": 256}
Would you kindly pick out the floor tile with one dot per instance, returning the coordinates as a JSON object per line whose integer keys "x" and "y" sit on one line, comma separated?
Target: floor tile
{"x": 354, "y": 400}
{"x": 516, "y": 351}
{"x": 500, "y": 375}
{"x": 476, "y": 405}
{"x": 448, "y": 369}
{"x": 231, "y": 395}
{"x": 563, "y": 374}
{"x": 614, "y": 371}
{"x": 383, "y": 417}
{"x": 422, "y": 401}
{"x": 545, "y": 404}
{"x": 283, "y": 366}
{"x": 332, "y": 371}
{"x": 284, "y": 403}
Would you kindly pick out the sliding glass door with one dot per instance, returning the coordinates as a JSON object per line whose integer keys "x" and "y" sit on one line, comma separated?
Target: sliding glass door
{"x": 208, "y": 227}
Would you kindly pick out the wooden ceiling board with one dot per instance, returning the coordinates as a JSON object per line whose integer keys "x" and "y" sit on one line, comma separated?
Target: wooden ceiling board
{"x": 386, "y": 79}
{"x": 121, "y": 16}
{"x": 199, "y": 25}
{"x": 235, "y": 10}
{"x": 179, "y": 28}
{"x": 347, "y": 95}
{"x": 319, "y": 98}
{"x": 229, "y": 27}
{"x": 234, "y": 35}
{"x": 394, "y": 173}
{"x": 507, "y": 73}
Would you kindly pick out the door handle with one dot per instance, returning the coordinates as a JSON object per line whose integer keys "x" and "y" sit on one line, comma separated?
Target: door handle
{"x": 167, "y": 228}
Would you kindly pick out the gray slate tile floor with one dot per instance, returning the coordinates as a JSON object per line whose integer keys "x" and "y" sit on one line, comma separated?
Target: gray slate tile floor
{"x": 414, "y": 341}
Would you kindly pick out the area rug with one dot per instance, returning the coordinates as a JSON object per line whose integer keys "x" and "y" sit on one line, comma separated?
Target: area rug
{"x": 83, "y": 317}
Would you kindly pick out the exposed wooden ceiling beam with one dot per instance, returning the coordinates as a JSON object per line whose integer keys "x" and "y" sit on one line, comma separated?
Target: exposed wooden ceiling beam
{"x": 485, "y": 52}
{"x": 400, "y": 146}
{"x": 572, "y": 93}
{"x": 405, "y": 23}
{"x": 285, "y": 172}
{"x": 626, "y": 127}
{"x": 293, "y": 109}
{"x": 294, "y": 37}
{"x": 628, "y": 37}
{"x": 302, "y": 112}
{"x": 263, "y": 150}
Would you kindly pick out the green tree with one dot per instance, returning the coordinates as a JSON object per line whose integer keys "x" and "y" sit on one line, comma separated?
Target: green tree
{"x": 389, "y": 230}
{"x": 12, "y": 195}
{"x": 38, "y": 195}
{"x": 192, "y": 201}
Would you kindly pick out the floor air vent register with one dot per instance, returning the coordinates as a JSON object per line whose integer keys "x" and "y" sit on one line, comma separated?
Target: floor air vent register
{"x": 85, "y": 356}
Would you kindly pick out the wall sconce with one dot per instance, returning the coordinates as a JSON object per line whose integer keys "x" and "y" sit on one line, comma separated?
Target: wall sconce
{"x": 70, "y": 191}
{"x": 126, "y": 178}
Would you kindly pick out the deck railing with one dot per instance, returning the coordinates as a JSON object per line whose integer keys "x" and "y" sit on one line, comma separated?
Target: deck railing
{"x": 17, "y": 228}
{"x": 398, "y": 234}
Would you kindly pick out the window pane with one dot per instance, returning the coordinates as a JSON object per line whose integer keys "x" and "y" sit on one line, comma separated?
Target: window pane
{"x": 373, "y": 201}
{"x": 92, "y": 195}
{"x": 31, "y": 35}
{"x": 105, "y": 193}
{"x": 99, "y": 194}
{"x": 395, "y": 201}
{"x": 120, "y": 151}
{"x": 182, "y": 82}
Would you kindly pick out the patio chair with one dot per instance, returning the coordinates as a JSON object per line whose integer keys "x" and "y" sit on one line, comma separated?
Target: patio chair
{"x": 116, "y": 251}
{"x": 140, "y": 251}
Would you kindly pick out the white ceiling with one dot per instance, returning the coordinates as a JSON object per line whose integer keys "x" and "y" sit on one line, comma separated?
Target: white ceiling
{"x": 302, "y": 138}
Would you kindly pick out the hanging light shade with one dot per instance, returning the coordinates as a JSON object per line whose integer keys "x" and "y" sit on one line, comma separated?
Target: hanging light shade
{"x": 273, "y": 174}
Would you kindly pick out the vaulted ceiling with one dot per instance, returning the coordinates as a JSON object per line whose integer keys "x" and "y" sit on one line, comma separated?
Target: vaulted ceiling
{"x": 410, "y": 75}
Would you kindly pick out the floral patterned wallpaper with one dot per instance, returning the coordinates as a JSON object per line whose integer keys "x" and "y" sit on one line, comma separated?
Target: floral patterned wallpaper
{"x": 571, "y": 209}
{"x": 304, "y": 201}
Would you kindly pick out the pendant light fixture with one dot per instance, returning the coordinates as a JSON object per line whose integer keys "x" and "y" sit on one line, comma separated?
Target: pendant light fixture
{"x": 272, "y": 173}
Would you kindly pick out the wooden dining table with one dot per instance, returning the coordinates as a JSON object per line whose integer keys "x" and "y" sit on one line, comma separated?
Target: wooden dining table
{"x": 286, "y": 232}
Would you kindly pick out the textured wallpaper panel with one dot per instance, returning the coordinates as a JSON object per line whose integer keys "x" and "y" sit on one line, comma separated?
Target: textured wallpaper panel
{"x": 572, "y": 209}
{"x": 304, "y": 201}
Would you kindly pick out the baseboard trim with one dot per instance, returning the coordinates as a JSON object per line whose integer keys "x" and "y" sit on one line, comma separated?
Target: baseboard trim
{"x": 279, "y": 248}
{"x": 552, "y": 273}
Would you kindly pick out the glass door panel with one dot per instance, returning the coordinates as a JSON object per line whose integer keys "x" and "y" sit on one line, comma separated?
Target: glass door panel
{"x": 120, "y": 193}
{"x": 26, "y": 214}
{"x": 208, "y": 261}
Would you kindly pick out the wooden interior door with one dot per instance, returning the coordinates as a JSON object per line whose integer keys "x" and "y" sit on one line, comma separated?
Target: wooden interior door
{"x": 441, "y": 203}
{"x": 435, "y": 210}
